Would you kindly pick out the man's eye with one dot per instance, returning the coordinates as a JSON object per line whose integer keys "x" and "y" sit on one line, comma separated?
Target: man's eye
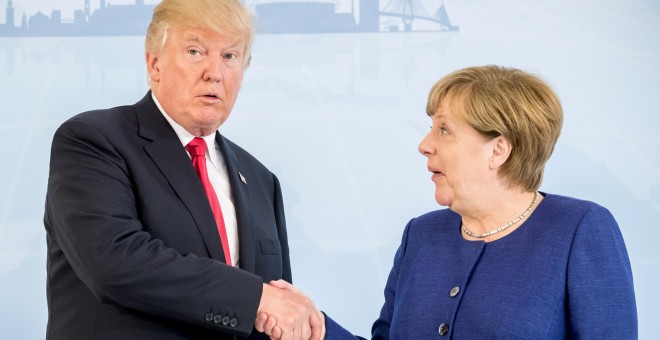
{"x": 230, "y": 56}
{"x": 443, "y": 130}
{"x": 193, "y": 52}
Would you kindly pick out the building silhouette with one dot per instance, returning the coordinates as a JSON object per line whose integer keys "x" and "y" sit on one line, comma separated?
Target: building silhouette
{"x": 10, "y": 14}
{"x": 291, "y": 16}
{"x": 107, "y": 20}
{"x": 9, "y": 27}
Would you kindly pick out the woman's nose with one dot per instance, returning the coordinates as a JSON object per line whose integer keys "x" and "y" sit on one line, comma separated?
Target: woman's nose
{"x": 425, "y": 146}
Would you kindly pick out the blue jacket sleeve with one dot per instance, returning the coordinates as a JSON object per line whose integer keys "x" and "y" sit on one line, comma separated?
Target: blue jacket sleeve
{"x": 333, "y": 331}
{"x": 601, "y": 297}
{"x": 381, "y": 327}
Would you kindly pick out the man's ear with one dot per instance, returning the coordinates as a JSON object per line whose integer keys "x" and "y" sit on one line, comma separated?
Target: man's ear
{"x": 153, "y": 66}
{"x": 501, "y": 151}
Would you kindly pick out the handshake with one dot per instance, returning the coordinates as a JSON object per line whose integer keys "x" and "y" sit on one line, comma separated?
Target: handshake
{"x": 286, "y": 313}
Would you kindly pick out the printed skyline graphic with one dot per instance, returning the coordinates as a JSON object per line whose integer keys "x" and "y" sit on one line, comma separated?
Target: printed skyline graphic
{"x": 279, "y": 17}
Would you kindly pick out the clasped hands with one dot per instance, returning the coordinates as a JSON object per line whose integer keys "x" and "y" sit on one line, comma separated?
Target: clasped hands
{"x": 286, "y": 313}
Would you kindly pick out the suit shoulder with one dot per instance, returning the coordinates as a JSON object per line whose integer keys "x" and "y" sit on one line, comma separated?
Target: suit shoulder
{"x": 570, "y": 207}
{"x": 103, "y": 119}
{"x": 112, "y": 120}
{"x": 562, "y": 216}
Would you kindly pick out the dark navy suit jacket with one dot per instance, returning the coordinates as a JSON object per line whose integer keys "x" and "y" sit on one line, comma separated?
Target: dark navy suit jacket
{"x": 563, "y": 274}
{"x": 133, "y": 250}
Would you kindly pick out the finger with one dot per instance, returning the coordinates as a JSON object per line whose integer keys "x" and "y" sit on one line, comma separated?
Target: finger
{"x": 281, "y": 284}
{"x": 276, "y": 333}
{"x": 270, "y": 323}
{"x": 306, "y": 331}
{"x": 317, "y": 324}
{"x": 285, "y": 285}
{"x": 260, "y": 321}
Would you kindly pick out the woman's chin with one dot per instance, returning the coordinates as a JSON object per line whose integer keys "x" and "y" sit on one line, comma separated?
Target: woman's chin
{"x": 443, "y": 200}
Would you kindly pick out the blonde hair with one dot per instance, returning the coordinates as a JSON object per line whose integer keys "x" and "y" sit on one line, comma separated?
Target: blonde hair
{"x": 228, "y": 17}
{"x": 500, "y": 101}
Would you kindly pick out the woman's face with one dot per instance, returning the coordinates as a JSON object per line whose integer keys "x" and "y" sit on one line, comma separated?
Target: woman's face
{"x": 458, "y": 157}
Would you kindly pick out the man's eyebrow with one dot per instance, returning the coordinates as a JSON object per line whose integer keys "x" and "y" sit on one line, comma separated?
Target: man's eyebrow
{"x": 196, "y": 39}
{"x": 234, "y": 43}
{"x": 192, "y": 38}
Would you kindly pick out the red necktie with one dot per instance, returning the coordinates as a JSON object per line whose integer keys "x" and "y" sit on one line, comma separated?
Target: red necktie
{"x": 197, "y": 149}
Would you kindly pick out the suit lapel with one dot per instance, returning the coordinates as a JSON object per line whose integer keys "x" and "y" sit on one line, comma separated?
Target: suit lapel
{"x": 168, "y": 154}
{"x": 239, "y": 192}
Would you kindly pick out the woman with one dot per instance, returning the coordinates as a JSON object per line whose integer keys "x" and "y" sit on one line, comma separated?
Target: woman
{"x": 505, "y": 260}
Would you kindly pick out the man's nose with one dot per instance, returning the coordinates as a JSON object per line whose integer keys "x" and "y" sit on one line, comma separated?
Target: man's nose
{"x": 213, "y": 71}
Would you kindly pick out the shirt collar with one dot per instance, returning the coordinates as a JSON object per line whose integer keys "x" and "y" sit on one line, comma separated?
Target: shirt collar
{"x": 185, "y": 137}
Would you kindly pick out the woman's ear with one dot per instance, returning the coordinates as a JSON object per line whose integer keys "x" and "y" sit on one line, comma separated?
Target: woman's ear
{"x": 501, "y": 151}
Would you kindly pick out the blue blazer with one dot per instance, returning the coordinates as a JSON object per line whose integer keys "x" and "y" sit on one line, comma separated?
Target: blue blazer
{"x": 563, "y": 274}
{"x": 133, "y": 250}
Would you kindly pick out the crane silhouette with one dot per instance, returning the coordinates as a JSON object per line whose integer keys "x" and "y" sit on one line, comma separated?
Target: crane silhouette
{"x": 411, "y": 10}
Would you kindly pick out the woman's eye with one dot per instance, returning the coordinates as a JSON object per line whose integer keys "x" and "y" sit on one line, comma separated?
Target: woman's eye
{"x": 230, "y": 56}
{"x": 443, "y": 130}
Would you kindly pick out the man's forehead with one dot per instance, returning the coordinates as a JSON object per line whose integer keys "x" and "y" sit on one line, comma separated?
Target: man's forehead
{"x": 208, "y": 36}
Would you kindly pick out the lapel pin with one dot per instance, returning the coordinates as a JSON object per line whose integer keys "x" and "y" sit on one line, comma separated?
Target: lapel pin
{"x": 242, "y": 178}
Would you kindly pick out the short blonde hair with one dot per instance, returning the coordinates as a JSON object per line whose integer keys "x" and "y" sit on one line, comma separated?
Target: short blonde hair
{"x": 500, "y": 101}
{"x": 228, "y": 17}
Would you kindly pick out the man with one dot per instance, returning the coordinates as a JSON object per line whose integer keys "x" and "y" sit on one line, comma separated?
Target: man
{"x": 151, "y": 238}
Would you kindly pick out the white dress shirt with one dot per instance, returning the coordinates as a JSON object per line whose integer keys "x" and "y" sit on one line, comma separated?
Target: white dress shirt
{"x": 219, "y": 177}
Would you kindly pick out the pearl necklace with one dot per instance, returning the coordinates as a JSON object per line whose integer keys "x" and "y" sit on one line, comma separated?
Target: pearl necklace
{"x": 505, "y": 226}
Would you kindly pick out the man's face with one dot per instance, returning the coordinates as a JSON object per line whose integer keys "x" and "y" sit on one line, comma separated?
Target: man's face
{"x": 196, "y": 77}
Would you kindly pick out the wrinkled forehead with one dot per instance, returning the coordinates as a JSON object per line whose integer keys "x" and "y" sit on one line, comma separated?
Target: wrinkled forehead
{"x": 203, "y": 36}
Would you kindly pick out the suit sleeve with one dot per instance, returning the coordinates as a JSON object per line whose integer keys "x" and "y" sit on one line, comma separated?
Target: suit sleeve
{"x": 92, "y": 214}
{"x": 601, "y": 297}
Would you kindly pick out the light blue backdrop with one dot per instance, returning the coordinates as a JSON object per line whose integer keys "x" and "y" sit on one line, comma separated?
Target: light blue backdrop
{"x": 338, "y": 118}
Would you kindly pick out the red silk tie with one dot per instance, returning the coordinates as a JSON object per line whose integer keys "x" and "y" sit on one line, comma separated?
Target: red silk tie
{"x": 197, "y": 149}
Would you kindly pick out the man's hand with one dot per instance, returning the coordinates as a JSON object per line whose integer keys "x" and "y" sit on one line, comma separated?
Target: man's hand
{"x": 268, "y": 324}
{"x": 286, "y": 313}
